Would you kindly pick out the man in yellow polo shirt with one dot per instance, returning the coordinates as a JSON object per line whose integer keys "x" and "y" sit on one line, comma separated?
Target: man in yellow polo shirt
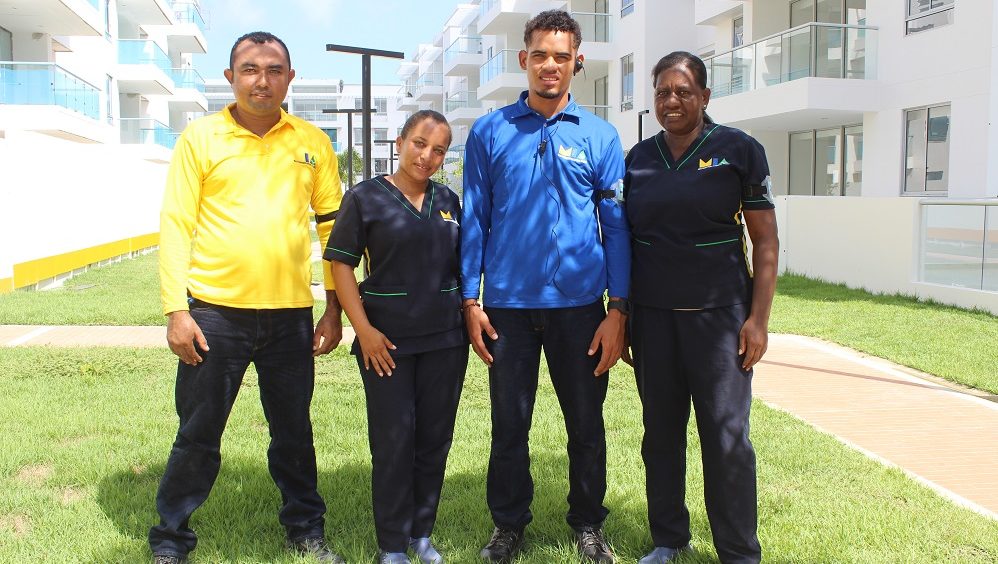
{"x": 235, "y": 272}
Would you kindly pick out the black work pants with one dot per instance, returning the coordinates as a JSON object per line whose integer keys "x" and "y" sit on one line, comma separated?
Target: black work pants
{"x": 410, "y": 422}
{"x": 684, "y": 355}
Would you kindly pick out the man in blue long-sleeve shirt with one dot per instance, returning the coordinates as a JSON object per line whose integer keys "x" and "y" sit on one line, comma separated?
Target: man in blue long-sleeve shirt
{"x": 543, "y": 224}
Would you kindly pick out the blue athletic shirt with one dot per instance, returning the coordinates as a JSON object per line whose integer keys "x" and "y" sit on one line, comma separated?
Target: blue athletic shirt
{"x": 532, "y": 190}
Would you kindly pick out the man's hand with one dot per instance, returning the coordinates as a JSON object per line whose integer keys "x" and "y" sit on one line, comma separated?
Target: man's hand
{"x": 328, "y": 332}
{"x": 477, "y": 323}
{"x": 610, "y": 337}
{"x": 753, "y": 340}
{"x": 181, "y": 334}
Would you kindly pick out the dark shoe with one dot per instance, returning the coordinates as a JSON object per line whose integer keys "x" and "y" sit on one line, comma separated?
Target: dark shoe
{"x": 425, "y": 551}
{"x": 663, "y": 554}
{"x": 392, "y": 558}
{"x": 168, "y": 559}
{"x": 315, "y": 547}
{"x": 504, "y": 545}
{"x": 593, "y": 547}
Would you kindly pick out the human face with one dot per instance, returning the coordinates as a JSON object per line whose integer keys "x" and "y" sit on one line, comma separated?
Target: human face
{"x": 549, "y": 61}
{"x": 259, "y": 76}
{"x": 422, "y": 151}
{"x": 679, "y": 101}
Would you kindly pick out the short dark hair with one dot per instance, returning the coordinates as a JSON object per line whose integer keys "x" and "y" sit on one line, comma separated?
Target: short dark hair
{"x": 419, "y": 116}
{"x": 258, "y": 37}
{"x": 684, "y": 59}
{"x": 553, "y": 20}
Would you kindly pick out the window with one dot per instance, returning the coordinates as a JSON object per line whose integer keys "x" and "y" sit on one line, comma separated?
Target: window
{"x": 380, "y": 166}
{"x": 107, "y": 19}
{"x": 926, "y": 14}
{"x": 737, "y": 32}
{"x": 310, "y": 109}
{"x": 926, "y": 150}
{"x": 626, "y": 7}
{"x": 332, "y": 133}
{"x": 380, "y": 105}
{"x": 627, "y": 83}
{"x": 380, "y": 133}
{"x": 826, "y": 162}
{"x": 216, "y": 105}
{"x": 358, "y": 136}
{"x": 6, "y": 45}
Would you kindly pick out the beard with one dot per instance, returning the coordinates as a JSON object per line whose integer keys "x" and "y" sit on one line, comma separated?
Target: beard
{"x": 549, "y": 94}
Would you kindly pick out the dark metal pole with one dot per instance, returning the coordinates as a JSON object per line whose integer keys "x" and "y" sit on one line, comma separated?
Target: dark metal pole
{"x": 641, "y": 120}
{"x": 365, "y": 89}
{"x": 350, "y": 149}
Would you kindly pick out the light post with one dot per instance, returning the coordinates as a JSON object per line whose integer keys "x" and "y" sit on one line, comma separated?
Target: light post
{"x": 349, "y": 112}
{"x": 365, "y": 66}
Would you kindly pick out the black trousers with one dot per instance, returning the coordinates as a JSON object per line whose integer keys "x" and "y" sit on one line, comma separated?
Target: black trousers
{"x": 564, "y": 334}
{"x": 410, "y": 422}
{"x": 279, "y": 343}
{"x": 684, "y": 355}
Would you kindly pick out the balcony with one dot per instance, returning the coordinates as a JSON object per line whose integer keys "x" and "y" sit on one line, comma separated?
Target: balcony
{"x": 146, "y": 12}
{"x": 501, "y": 77}
{"x": 147, "y": 131}
{"x": 462, "y": 108}
{"x": 407, "y": 97}
{"x": 47, "y": 98}
{"x": 429, "y": 85}
{"x": 143, "y": 68}
{"x": 596, "y": 27}
{"x": 188, "y": 35}
{"x": 601, "y": 110}
{"x": 54, "y": 17}
{"x": 189, "y": 93}
{"x": 823, "y": 72}
{"x": 506, "y": 17}
{"x": 463, "y": 57}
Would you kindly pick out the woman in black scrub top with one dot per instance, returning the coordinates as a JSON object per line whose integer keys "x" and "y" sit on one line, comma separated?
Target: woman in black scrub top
{"x": 411, "y": 345}
{"x": 700, "y": 317}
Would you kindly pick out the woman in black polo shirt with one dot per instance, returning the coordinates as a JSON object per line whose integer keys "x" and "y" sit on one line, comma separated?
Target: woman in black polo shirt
{"x": 699, "y": 319}
{"x": 411, "y": 344}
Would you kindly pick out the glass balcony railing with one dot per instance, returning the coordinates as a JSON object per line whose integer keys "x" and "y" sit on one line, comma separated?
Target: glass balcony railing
{"x": 459, "y": 100}
{"x": 809, "y": 50}
{"x": 430, "y": 79}
{"x": 463, "y": 45}
{"x": 188, "y": 78}
{"x": 94, "y": 3}
{"x": 189, "y": 12}
{"x": 143, "y": 52}
{"x": 601, "y": 110}
{"x": 595, "y": 27}
{"x": 147, "y": 131}
{"x": 505, "y": 61}
{"x": 47, "y": 84}
{"x": 487, "y": 6}
{"x": 959, "y": 244}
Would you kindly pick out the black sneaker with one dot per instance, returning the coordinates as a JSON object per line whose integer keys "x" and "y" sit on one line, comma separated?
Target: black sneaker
{"x": 315, "y": 547}
{"x": 168, "y": 559}
{"x": 504, "y": 545}
{"x": 593, "y": 547}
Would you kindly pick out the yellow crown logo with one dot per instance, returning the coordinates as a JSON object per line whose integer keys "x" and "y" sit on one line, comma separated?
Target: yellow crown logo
{"x": 446, "y": 215}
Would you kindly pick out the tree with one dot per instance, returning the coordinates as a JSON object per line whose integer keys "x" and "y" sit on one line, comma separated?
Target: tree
{"x": 358, "y": 165}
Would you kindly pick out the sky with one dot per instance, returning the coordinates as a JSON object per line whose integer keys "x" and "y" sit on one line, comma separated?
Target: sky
{"x": 306, "y": 26}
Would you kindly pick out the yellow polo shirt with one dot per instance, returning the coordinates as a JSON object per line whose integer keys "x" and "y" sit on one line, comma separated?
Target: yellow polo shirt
{"x": 234, "y": 229}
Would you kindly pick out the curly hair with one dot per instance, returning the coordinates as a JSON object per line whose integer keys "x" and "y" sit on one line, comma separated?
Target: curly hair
{"x": 553, "y": 20}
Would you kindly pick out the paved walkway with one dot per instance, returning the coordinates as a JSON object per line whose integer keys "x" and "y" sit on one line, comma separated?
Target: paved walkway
{"x": 943, "y": 437}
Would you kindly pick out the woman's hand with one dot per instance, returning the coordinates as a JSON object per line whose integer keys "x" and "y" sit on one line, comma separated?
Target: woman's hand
{"x": 374, "y": 347}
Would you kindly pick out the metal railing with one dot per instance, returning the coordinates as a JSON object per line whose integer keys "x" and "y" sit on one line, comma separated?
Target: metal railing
{"x": 188, "y": 78}
{"x": 505, "y": 61}
{"x": 463, "y": 45}
{"x": 147, "y": 131}
{"x": 959, "y": 243}
{"x": 595, "y": 26}
{"x": 142, "y": 52}
{"x": 47, "y": 84}
{"x": 189, "y": 12}
{"x": 601, "y": 110}
{"x": 809, "y": 50}
{"x": 460, "y": 100}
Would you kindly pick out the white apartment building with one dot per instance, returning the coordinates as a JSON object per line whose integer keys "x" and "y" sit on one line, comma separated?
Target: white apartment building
{"x": 307, "y": 98}
{"x": 92, "y": 96}
{"x": 879, "y": 117}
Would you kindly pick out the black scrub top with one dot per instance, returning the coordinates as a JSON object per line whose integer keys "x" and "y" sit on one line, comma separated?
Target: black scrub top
{"x": 688, "y": 239}
{"x": 411, "y": 287}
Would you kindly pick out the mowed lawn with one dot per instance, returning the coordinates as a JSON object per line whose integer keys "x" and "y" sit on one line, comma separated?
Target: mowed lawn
{"x": 86, "y": 433}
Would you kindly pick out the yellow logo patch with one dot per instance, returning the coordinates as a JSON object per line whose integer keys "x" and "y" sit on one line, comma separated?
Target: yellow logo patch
{"x": 446, "y": 215}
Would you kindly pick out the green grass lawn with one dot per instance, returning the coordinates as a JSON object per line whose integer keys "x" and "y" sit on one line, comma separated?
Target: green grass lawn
{"x": 952, "y": 343}
{"x": 87, "y": 431}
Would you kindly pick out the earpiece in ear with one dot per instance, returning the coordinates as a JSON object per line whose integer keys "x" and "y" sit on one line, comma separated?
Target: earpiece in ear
{"x": 578, "y": 66}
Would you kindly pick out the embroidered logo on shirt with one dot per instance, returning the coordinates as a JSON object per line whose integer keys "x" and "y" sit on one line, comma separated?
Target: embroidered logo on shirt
{"x": 309, "y": 160}
{"x": 572, "y": 154}
{"x": 446, "y": 215}
{"x": 710, "y": 163}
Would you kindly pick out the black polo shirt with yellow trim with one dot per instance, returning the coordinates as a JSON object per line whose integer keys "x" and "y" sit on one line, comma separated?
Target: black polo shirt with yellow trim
{"x": 411, "y": 290}
{"x": 688, "y": 237}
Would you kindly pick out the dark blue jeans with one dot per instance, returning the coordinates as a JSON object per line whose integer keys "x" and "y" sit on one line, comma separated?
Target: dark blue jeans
{"x": 564, "y": 334}
{"x": 279, "y": 344}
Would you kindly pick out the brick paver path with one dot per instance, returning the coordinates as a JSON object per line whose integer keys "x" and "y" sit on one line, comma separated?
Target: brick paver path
{"x": 943, "y": 437}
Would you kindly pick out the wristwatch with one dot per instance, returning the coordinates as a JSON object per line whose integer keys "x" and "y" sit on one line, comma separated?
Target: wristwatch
{"x": 621, "y": 305}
